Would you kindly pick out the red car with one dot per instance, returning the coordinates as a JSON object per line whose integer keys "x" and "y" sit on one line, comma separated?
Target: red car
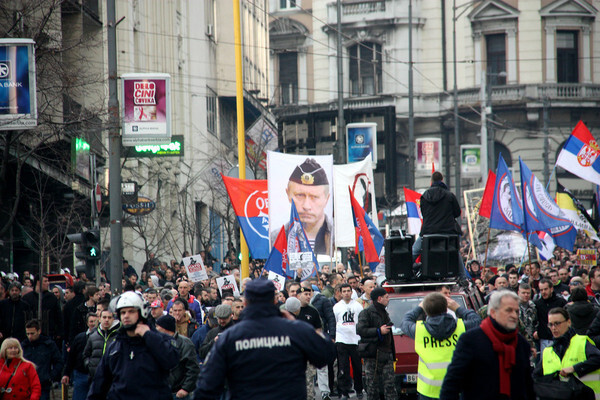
{"x": 404, "y": 299}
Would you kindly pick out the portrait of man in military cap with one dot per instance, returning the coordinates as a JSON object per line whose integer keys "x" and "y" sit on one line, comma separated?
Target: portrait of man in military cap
{"x": 309, "y": 186}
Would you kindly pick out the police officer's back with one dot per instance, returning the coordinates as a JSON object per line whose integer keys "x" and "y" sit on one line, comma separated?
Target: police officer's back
{"x": 264, "y": 356}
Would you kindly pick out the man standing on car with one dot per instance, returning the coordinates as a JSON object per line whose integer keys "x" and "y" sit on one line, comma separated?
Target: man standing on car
{"x": 436, "y": 338}
{"x": 375, "y": 330}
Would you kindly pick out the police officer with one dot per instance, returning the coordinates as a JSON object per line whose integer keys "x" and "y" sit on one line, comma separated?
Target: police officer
{"x": 436, "y": 338}
{"x": 263, "y": 356}
{"x": 137, "y": 364}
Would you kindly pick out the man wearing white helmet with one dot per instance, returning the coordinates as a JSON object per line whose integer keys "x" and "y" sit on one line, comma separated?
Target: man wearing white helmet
{"x": 136, "y": 348}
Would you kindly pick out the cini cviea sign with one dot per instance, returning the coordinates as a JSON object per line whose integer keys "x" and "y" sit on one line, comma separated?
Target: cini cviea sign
{"x": 18, "y": 106}
{"x": 146, "y": 111}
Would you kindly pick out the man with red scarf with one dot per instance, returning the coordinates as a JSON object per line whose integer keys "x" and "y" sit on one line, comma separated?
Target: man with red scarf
{"x": 492, "y": 361}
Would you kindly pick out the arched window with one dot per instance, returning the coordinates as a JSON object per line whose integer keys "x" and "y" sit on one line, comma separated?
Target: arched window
{"x": 365, "y": 69}
{"x": 499, "y": 148}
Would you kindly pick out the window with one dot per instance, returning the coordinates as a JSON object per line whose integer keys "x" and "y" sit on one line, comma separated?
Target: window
{"x": 567, "y": 60}
{"x": 496, "y": 58}
{"x": 288, "y": 77}
{"x": 365, "y": 69}
{"x": 211, "y": 111}
{"x": 285, "y": 4}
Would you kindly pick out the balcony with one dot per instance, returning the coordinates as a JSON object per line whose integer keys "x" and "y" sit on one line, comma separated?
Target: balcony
{"x": 362, "y": 7}
{"x": 358, "y": 13}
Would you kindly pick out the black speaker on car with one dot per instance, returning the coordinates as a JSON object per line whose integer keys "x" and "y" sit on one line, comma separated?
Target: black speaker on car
{"x": 440, "y": 256}
{"x": 398, "y": 258}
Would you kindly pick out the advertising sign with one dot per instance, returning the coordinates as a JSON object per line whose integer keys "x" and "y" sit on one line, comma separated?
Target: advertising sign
{"x": 146, "y": 109}
{"x": 172, "y": 149}
{"x": 429, "y": 155}
{"x": 470, "y": 160}
{"x": 80, "y": 157}
{"x": 362, "y": 140}
{"x": 587, "y": 257}
{"x": 18, "y": 106}
{"x": 144, "y": 206}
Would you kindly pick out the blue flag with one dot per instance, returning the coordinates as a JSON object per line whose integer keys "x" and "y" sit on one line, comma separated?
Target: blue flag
{"x": 540, "y": 211}
{"x": 298, "y": 244}
{"x": 277, "y": 261}
{"x": 507, "y": 211}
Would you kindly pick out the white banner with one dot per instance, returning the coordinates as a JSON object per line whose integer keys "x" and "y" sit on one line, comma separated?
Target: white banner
{"x": 359, "y": 177}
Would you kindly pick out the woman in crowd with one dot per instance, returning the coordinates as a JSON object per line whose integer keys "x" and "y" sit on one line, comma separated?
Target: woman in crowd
{"x": 18, "y": 377}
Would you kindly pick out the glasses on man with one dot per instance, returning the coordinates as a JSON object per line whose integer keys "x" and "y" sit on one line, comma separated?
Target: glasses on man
{"x": 555, "y": 324}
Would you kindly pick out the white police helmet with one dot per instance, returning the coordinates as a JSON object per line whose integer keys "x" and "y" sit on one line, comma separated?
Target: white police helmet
{"x": 132, "y": 299}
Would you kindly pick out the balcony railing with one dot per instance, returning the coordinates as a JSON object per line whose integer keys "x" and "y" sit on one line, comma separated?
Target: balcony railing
{"x": 362, "y": 7}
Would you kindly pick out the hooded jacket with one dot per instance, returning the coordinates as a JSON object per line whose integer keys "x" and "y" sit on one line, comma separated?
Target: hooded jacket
{"x": 439, "y": 207}
{"x": 439, "y": 326}
{"x": 46, "y": 357}
{"x": 582, "y": 314}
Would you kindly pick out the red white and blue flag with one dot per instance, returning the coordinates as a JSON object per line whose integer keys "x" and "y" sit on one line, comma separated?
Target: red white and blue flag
{"x": 278, "y": 261}
{"x": 580, "y": 155}
{"x": 372, "y": 240}
{"x": 414, "y": 218}
{"x": 250, "y": 203}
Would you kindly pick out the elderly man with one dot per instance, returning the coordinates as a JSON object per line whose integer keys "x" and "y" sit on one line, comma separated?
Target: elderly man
{"x": 492, "y": 361}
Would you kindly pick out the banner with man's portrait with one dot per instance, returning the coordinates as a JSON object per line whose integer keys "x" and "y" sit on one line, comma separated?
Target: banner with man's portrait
{"x": 308, "y": 180}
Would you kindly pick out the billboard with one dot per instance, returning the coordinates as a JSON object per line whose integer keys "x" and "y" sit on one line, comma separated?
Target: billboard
{"x": 18, "y": 105}
{"x": 146, "y": 110}
{"x": 362, "y": 140}
{"x": 172, "y": 149}
{"x": 429, "y": 155}
{"x": 470, "y": 160}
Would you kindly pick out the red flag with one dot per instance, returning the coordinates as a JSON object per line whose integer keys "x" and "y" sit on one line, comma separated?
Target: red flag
{"x": 432, "y": 167}
{"x": 485, "y": 209}
{"x": 371, "y": 237}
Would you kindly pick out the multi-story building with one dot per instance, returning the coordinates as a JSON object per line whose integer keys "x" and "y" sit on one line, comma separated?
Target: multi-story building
{"x": 535, "y": 59}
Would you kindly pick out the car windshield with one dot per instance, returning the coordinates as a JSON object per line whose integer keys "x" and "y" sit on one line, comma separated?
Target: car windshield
{"x": 399, "y": 306}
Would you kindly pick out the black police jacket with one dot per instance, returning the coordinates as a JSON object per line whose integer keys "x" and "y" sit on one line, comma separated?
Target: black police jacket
{"x": 263, "y": 357}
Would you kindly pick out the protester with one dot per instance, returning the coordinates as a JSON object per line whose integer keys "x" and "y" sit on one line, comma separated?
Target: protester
{"x": 43, "y": 353}
{"x": 14, "y": 312}
{"x": 581, "y": 311}
{"x": 100, "y": 340}
{"x": 75, "y": 366}
{"x": 492, "y": 361}
{"x": 269, "y": 348}
{"x": 224, "y": 315}
{"x": 18, "y": 377}
{"x": 548, "y": 301}
{"x": 374, "y": 328}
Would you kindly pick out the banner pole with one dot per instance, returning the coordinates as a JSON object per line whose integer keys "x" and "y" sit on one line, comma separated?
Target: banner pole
{"x": 239, "y": 84}
{"x": 487, "y": 243}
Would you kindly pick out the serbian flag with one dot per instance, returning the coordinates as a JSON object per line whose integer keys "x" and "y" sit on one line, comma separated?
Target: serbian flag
{"x": 372, "y": 240}
{"x": 507, "y": 208}
{"x": 540, "y": 211}
{"x": 488, "y": 196}
{"x": 250, "y": 203}
{"x": 413, "y": 211}
{"x": 277, "y": 261}
{"x": 580, "y": 155}
{"x": 299, "y": 248}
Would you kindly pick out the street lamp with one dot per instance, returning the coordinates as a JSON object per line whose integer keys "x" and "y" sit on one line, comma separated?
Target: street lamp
{"x": 487, "y": 128}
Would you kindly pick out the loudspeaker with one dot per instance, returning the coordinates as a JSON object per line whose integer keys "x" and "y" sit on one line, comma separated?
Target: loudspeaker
{"x": 398, "y": 258}
{"x": 440, "y": 256}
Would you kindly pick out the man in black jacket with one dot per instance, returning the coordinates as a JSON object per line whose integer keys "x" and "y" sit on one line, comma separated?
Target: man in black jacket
{"x": 75, "y": 365}
{"x": 224, "y": 316}
{"x": 492, "y": 361}
{"x": 14, "y": 312}
{"x": 183, "y": 377}
{"x": 374, "y": 328}
{"x": 42, "y": 351}
{"x": 548, "y": 301}
{"x": 51, "y": 321}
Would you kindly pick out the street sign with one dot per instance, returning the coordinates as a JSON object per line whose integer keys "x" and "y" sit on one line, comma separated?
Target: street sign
{"x": 98, "y": 197}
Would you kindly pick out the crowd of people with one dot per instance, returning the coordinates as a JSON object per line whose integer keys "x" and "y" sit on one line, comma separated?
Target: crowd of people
{"x": 156, "y": 338}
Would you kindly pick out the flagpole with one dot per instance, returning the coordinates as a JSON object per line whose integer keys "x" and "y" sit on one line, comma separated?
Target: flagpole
{"x": 487, "y": 243}
{"x": 551, "y": 176}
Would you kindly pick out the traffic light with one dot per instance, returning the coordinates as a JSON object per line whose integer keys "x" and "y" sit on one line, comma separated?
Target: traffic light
{"x": 88, "y": 250}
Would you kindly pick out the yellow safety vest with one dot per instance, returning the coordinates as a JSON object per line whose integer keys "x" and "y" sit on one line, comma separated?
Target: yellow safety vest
{"x": 434, "y": 358}
{"x": 575, "y": 354}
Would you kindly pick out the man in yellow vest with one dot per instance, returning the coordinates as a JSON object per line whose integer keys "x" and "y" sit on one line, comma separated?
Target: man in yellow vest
{"x": 435, "y": 338}
{"x": 570, "y": 353}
